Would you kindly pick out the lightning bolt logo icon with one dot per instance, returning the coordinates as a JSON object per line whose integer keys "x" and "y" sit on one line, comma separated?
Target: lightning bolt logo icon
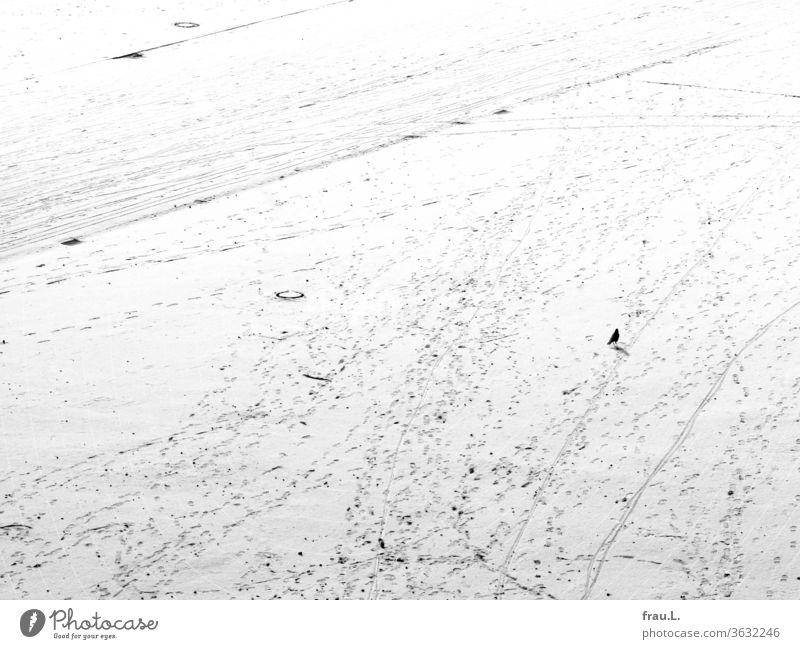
{"x": 31, "y": 622}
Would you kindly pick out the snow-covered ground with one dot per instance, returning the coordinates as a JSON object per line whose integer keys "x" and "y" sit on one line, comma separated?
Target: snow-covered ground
{"x": 470, "y": 196}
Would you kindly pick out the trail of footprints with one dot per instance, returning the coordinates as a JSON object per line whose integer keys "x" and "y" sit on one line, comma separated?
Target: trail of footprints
{"x": 275, "y": 484}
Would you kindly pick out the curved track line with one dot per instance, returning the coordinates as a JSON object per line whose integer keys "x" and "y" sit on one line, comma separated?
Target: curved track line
{"x": 669, "y": 295}
{"x": 548, "y": 476}
{"x": 592, "y": 407}
{"x": 599, "y": 557}
{"x": 604, "y": 385}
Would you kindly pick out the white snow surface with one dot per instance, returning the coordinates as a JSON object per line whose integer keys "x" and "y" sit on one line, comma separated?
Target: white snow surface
{"x": 470, "y": 196}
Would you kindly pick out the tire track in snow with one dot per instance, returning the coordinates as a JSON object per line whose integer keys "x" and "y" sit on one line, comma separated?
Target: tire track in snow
{"x": 126, "y": 205}
{"x": 599, "y": 557}
{"x": 581, "y": 425}
{"x": 592, "y": 407}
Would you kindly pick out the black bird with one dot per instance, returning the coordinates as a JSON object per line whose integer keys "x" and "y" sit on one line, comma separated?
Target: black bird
{"x": 614, "y": 338}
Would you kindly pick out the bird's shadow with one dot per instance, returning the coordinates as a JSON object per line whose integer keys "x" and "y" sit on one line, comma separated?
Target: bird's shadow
{"x": 621, "y": 349}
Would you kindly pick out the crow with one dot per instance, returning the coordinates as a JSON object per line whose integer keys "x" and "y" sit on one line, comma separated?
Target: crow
{"x": 614, "y": 338}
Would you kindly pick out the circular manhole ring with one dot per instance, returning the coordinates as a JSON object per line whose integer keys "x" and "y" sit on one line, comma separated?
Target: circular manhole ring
{"x": 289, "y": 295}
{"x": 186, "y": 25}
